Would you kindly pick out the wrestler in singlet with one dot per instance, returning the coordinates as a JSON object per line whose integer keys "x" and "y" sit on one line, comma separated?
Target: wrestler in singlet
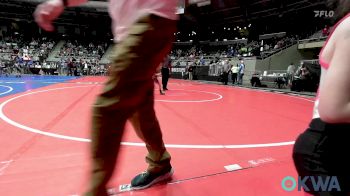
{"x": 322, "y": 150}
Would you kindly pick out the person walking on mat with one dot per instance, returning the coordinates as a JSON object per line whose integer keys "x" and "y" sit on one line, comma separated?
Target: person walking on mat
{"x": 144, "y": 31}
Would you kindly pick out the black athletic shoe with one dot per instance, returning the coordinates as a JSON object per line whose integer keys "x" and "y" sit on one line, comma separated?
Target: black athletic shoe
{"x": 147, "y": 179}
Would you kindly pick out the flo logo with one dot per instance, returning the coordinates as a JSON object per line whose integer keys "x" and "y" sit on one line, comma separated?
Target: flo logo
{"x": 323, "y": 14}
{"x": 311, "y": 183}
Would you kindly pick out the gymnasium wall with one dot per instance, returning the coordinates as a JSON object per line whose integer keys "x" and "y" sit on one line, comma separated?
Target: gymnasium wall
{"x": 282, "y": 59}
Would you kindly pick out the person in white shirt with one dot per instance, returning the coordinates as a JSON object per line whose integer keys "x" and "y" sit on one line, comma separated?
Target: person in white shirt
{"x": 234, "y": 72}
{"x": 290, "y": 73}
{"x": 144, "y": 31}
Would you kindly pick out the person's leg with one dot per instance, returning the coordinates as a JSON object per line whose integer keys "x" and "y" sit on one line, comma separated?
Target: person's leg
{"x": 233, "y": 78}
{"x": 239, "y": 79}
{"x": 146, "y": 124}
{"x": 147, "y": 127}
{"x": 302, "y": 156}
{"x": 290, "y": 79}
{"x": 157, "y": 79}
{"x": 165, "y": 78}
{"x": 225, "y": 78}
{"x": 316, "y": 155}
{"x": 134, "y": 63}
{"x": 106, "y": 136}
{"x": 161, "y": 87}
{"x": 312, "y": 166}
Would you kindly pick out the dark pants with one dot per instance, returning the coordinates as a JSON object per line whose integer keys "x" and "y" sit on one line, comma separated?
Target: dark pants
{"x": 165, "y": 77}
{"x": 70, "y": 71}
{"x": 322, "y": 151}
{"x": 234, "y": 78}
{"x": 240, "y": 79}
{"x": 224, "y": 78}
{"x": 128, "y": 95}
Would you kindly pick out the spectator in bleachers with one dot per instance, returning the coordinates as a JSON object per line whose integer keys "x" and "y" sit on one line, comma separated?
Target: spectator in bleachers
{"x": 17, "y": 70}
{"x": 70, "y": 66}
{"x": 325, "y": 31}
{"x": 2, "y": 67}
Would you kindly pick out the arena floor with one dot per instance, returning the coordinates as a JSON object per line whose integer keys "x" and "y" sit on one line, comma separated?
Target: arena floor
{"x": 223, "y": 140}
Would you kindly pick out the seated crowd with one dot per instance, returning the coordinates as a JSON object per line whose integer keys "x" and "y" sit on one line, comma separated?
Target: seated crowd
{"x": 83, "y": 58}
{"x": 83, "y": 50}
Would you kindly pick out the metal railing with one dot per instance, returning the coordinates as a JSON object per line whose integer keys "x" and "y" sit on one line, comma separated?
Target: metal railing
{"x": 312, "y": 40}
{"x": 265, "y": 55}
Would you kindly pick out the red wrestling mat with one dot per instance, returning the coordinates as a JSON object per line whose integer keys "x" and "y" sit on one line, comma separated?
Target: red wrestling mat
{"x": 45, "y": 140}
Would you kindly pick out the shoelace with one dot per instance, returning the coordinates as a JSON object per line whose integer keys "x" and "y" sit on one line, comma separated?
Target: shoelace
{"x": 144, "y": 173}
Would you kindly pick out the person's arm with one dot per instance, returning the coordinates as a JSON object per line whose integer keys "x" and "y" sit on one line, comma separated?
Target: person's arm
{"x": 49, "y": 10}
{"x": 334, "y": 106}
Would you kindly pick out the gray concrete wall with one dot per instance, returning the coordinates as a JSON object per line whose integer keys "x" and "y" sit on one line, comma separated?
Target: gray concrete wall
{"x": 281, "y": 60}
